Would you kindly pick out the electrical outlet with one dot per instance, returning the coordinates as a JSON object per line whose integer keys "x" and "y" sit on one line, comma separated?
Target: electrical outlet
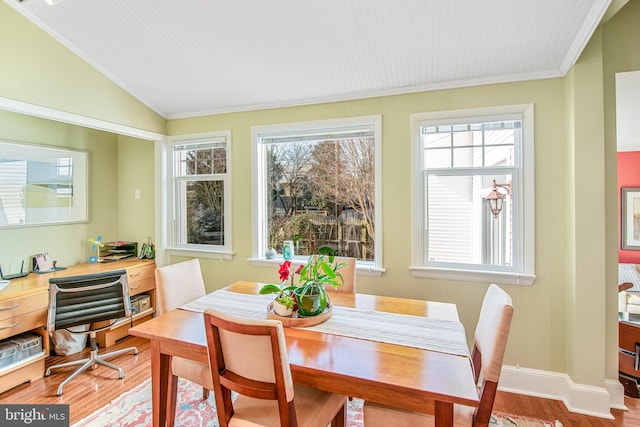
{"x": 136, "y": 194}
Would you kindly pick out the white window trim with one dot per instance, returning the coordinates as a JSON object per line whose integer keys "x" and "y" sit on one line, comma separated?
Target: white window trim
{"x": 526, "y": 217}
{"x": 374, "y": 268}
{"x": 224, "y": 253}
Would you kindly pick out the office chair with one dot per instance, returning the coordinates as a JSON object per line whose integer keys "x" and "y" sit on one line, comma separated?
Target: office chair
{"x": 87, "y": 299}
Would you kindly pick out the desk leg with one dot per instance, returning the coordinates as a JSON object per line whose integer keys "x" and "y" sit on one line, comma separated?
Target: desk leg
{"x": 160, "y": 369}
{"x": 444, "y": 414}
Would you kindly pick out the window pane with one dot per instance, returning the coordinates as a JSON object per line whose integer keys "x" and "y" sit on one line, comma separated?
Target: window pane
{"x": 321, "y": 193}
{"x": 496, "y": 140}
{"x": 204, "y": 212}
{"x": 435, "y": 140}
{"x": 460, "y": 228}
{"x": 440, "y": 158}
{"x": 467, "y": 157}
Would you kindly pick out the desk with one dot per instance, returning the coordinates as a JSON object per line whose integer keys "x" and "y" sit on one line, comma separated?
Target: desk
{"x": 23, "y": 307}
{"x": 410, "y": 378}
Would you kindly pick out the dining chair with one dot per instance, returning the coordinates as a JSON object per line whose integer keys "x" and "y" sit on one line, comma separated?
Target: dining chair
{"x": 89, "y": 299}
{"x": 249, "y": 357}
{"x": 348, "y": 273}
{"x": 176, "y": 285}
{"x": 490, "y": 341}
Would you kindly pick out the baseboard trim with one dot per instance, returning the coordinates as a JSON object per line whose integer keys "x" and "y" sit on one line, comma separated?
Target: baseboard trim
{"x": 578, "y": 398}
{"x": 616, "y": 393}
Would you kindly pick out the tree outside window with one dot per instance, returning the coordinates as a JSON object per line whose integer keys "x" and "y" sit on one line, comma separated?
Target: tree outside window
{"x": 320, "y": 187}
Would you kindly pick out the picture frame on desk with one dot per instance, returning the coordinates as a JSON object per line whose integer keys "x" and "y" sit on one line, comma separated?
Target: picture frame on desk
{"x": 43, "y": 263}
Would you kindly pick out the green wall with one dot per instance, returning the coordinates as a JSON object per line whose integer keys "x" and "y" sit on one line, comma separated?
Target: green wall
{"x": 542, "y": 314}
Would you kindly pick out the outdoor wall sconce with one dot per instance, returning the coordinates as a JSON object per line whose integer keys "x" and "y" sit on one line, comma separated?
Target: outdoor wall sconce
{"x": 496, "y": 197}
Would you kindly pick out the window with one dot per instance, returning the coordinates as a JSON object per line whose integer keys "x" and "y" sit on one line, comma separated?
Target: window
{"x": 318, "y": 184}
{"x": 458, "y": 158}
{"x": 201, "y": 192}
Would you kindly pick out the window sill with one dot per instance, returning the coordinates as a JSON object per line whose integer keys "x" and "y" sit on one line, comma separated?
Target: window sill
{"x": 200, "y": 253}
{"x": 363, "y": 268}
{"x": 483, "y": 276}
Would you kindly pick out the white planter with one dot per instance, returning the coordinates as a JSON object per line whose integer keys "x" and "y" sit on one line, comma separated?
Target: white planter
{"x": 282, "y": 310}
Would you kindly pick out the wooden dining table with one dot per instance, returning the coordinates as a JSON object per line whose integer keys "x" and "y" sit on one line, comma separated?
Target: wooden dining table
{"x": 396, "y": 375}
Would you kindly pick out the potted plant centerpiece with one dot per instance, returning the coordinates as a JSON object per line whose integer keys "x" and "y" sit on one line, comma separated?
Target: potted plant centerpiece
{"x": 309, "y": 297}
{"x": 320, "y": 270}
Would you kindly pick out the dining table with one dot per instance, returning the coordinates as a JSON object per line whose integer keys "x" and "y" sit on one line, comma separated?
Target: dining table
{"x": 376, "y": 360}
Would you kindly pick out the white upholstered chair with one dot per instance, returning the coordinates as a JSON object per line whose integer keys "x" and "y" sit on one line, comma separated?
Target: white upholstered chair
{"x": 249, "y": 356}
{"x": 176, "y": 285}
{"x": 490, "y": 341}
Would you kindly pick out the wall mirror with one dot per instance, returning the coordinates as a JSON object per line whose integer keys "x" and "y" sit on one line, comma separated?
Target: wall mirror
{"x": 41, "y": 185}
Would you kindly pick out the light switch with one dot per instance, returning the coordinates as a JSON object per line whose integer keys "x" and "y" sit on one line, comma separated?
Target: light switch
{"x": 136, "y": 194}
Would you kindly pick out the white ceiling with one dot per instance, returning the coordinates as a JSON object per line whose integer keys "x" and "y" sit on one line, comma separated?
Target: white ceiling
{"x": 193, "y": 57}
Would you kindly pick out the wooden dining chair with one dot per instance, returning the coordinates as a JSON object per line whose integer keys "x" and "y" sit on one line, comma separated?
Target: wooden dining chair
{"x": 490, "y": 341}
{"x": 348, "y": 273}
{"x": 249, "y": 357}
{"x": 176, "y": 285}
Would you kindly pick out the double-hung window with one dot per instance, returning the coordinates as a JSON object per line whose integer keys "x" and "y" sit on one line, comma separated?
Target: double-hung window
{"x": 318, "y": 184}
{"x": 201, "y": 196}
{"x": 473, "y": 195}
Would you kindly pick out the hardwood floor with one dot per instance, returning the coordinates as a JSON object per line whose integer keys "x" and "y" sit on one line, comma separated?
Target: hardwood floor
{"x": 94, "y": 389}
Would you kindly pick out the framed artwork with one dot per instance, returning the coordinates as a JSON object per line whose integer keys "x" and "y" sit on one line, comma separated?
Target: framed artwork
{"x": 42, "y": 185}
{"x": 630, "y": 218}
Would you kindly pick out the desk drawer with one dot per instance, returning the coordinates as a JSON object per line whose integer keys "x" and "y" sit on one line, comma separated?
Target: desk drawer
{"x": 13, "y": 307}
{"x": 141, "y": 286}
{"x": 144, "y": 272}
{"x": 141, "y": 279}
{"x": 23, "y": 323}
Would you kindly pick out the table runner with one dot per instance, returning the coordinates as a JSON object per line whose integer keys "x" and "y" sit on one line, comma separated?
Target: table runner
{"x": 445, "y": 336}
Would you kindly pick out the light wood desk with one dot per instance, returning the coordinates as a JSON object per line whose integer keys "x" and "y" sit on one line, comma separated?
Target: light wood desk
{"x": 23, "y": 307}
{"x": 406, "y": 377}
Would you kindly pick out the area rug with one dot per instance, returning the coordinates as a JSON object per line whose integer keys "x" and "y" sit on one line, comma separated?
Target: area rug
{"x": 133, "y": 409}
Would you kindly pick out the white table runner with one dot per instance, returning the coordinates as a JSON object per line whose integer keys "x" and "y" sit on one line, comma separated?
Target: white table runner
{"x": 445, "y": 336}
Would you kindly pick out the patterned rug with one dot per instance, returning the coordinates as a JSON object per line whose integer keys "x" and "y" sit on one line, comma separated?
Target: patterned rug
{"x": 133, "y": 409}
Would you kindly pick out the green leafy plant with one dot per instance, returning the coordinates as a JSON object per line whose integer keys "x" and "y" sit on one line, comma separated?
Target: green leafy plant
{"x": 287, "y": 300}
{"x": 320, "y": 270}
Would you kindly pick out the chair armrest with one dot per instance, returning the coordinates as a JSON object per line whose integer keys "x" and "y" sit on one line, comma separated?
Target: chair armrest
{"x": 624, "y": 286}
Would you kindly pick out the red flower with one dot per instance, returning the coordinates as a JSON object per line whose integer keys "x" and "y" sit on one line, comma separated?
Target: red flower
{"x": 300, "y": 267}
{"x": 284, "y": 270}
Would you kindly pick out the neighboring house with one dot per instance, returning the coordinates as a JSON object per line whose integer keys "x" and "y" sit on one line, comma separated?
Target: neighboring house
{"x": 563, "y": 341}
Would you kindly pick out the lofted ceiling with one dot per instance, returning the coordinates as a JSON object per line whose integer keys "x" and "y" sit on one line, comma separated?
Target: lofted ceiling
{"x": 193, "y": 57}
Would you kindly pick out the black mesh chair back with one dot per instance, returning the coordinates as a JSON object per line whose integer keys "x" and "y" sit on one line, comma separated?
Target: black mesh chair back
{"x": 86, "y": 300}
{"x": 91, "y": 298}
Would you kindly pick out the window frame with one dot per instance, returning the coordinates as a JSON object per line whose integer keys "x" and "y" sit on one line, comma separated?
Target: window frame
{"x": 259, "y": 234}
{"x": 524, "y": 202}
{"x": 172, "y": 226}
